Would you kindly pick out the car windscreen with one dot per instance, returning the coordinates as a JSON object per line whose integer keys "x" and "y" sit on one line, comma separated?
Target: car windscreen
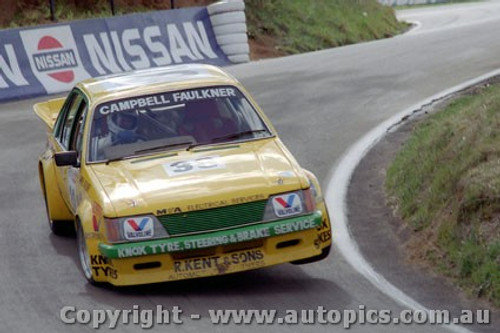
{"x": 172, "y": 120}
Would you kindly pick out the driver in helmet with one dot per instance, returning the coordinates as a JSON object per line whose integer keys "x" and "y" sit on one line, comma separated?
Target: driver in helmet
{"x": 121, "y": 129}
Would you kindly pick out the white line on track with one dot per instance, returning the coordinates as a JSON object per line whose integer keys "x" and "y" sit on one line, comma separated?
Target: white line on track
{"x": 415, "y": 25}
{"x": 336, "y": 191}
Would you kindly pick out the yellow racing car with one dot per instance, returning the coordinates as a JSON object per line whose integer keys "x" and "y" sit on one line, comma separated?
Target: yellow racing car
{"x": 175, "y": 173}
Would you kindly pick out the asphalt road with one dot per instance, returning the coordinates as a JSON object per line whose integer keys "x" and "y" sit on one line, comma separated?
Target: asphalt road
{"x": 321, "y": 103}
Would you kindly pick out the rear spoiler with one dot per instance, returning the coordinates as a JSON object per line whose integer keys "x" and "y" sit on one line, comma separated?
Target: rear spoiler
{"x": 48, "y": 111}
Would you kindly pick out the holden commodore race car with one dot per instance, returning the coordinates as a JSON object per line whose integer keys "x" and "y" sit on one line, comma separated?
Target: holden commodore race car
{"x": 175, "y": 173}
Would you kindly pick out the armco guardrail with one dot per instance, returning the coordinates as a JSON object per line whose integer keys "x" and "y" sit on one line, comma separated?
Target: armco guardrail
{"x": 52, "y": 58}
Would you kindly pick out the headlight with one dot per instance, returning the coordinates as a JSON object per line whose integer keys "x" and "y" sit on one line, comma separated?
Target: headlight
{"x": 315, "y": 191}
{"x": 134, "y": 228}
{"x": 289, "y": 204}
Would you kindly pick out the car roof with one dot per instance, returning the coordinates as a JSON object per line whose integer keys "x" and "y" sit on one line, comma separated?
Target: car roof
{"x": 153, "y": 80}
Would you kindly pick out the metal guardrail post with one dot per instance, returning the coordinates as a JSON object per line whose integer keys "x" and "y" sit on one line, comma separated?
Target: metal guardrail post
{"x": 52, "y": 10}
{"x": 112, "y": 5}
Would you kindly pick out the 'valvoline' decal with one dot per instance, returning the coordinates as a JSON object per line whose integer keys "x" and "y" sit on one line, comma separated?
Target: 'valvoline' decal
{"x": 138, "y": 228}
{"x": 287, "y": 205}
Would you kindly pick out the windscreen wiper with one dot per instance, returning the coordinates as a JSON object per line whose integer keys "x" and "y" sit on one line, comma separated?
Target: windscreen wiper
{"x": 120, "y": 158}
{"x": 226, "y": 137}
{"x": 238, "y": 134}
{"x": 170, "y": 145}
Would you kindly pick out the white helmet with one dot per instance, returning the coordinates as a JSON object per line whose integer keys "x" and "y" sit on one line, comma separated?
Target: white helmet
{"x": 122, "y": 121}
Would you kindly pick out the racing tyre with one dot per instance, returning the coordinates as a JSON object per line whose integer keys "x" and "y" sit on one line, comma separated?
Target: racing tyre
{"x": 232, "y": 39}
{"x": 227, "y": 18}
{"x": 227, "y": 29}
{"x": 324, "y": 253}
{"x": 239, "y": 58}
{"x": 83, "y": 254}
{"x": 224, "y": 7}
{"x": 232, "y": 49}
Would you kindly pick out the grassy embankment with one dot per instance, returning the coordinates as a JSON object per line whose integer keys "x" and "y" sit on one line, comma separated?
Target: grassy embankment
{"x": 445, "y": 183}
{"x": 275, "y": 27}
{"x": 303, "y": 25}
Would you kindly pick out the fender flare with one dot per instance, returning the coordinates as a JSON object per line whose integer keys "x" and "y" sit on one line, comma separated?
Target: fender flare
{"x": 56, "y": 207}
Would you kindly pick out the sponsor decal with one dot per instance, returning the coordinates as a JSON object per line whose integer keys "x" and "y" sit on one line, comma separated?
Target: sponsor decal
{"x": 184, "y": 243}
{"x": 53, "y": 56}
{"x": 191, "y": 166}
{"x": 164, "y": 100}
{"x": 99, "y": 260}
{"x": 133, "y": 104}
{"x": 95, "y": 224}
{"x": 171, "y": 210}
{"x": 287, "y": 205}
{"x": 62, "y": 54}
{"x": 191, "y": 95}
{"x": 55, "y": 60}
{"x": 75, "y": 195}
{"x": 294, "y": 226}
{"x": 10, "y": 71}
{"x": 132, "y": 251}
{"x": 250, "y": 198}
{"x": 138, "y": 228}
{"x": 102, "y": 266}
{"x": 324, "y": 234}
{"x": 126, "y": 47}
{"x": 96, "y": 216}
{"x": 210, "y": 204}
{"x": 221, "y": 263}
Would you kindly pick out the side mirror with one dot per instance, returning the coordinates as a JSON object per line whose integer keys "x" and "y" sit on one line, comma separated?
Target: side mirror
{"x": 67, "y": 158}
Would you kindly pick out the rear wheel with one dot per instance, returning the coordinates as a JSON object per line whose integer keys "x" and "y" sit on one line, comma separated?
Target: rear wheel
{"x": 83, "y": 253}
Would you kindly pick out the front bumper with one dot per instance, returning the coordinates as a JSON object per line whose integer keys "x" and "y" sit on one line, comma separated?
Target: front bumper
{"x": 214, "y": 253}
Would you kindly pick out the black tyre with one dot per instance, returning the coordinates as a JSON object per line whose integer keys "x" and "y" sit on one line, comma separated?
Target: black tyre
{"x": 83, "y": 254}
{"x": 324, "y": 253}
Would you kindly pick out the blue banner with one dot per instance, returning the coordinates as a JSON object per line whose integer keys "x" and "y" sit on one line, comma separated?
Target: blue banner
{"x": 52, "y": 58}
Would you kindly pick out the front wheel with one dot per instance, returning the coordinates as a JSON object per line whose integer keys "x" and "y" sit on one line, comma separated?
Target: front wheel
{"x": 83, "y": 253}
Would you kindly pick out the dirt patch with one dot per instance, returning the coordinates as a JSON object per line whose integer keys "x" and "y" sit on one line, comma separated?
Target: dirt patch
{"x": 263, "y": 46}
{"x": 7, "y": 12}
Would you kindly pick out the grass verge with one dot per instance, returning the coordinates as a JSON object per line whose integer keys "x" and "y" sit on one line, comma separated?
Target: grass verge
{"x": 445, "y": 184}
{"x": 304, "y": 25}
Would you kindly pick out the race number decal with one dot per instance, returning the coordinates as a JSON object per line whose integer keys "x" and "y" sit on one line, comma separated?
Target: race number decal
{"x": 196, "y": 165}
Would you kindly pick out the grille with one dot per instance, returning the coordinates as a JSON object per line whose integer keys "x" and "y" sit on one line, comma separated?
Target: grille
{"x": 213, "y": 219}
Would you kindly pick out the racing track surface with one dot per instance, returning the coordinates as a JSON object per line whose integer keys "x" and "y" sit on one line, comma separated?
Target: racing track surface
{"x": 321, "y": 103}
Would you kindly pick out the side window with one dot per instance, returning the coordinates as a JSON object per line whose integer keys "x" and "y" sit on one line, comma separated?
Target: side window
{"x": 62, "y": 114}
{"x": 79, "y": 127}
{"x": 67, "y": 126}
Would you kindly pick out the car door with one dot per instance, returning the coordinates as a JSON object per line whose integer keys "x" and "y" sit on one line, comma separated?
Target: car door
{"x": 69, "y": 133}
